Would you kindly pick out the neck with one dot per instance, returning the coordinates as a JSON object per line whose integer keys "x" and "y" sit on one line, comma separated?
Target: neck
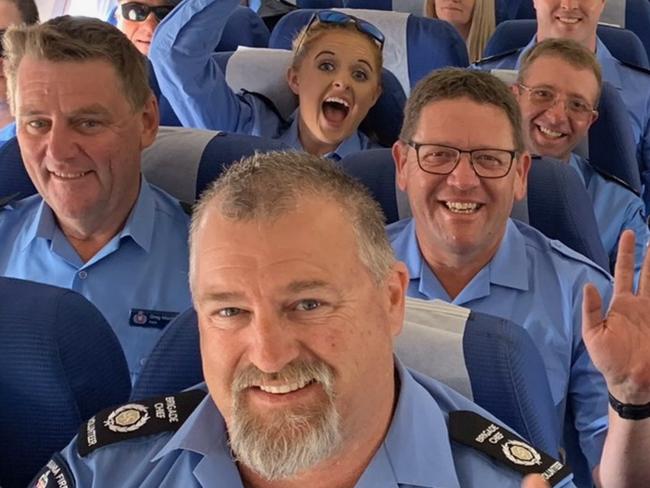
{"x": 463, "y": 30}
{"x": 310, "y": 144}
{"x": 88, "y": 235}
{"x": 88, "y": 239}
{"x": 455, "y": 270}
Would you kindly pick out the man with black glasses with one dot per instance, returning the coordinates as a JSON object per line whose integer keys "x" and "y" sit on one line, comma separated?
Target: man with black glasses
{"x": 461, "y": 159}
{"x": 138, "y": 20}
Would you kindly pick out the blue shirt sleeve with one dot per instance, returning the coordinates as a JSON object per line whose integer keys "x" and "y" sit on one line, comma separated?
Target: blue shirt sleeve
{"x": 190, "y": 78}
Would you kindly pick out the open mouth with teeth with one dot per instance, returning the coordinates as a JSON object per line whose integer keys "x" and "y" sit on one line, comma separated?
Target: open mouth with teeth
{"x": 335, "y": 109}
{"x": 285, "y": 388}
{"x": 69, "y": 176}
{"x": 549, "y": 133}
{"x": 567, "y": 20}
{"x": 463, "y": 207}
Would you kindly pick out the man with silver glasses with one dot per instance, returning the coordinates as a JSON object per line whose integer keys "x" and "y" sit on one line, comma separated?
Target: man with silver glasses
{"x": 461, "y": 159}
{"x": 557, "y": 88}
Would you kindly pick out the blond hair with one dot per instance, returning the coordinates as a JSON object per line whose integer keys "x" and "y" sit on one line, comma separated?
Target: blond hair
{"x": 308, "y": 35}
{"x": 77, "y": 39}
{"x": 482, "y": 26}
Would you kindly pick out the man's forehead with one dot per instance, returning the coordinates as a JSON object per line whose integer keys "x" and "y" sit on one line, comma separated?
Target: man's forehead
{"x": 575, "y": 84}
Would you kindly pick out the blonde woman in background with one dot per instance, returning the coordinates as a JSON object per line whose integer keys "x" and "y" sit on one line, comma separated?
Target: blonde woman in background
{"x": 473, "y": 19}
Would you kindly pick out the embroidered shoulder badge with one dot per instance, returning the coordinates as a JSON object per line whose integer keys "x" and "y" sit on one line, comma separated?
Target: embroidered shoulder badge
{"x": 55, "y": 474}
{"x": 505, "y": 447}
{"x": 137, "y": 419}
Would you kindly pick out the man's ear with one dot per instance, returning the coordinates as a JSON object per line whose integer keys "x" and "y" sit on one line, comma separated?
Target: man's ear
{"x": 400, "y": 158}
{"x": 594, "y": 117}
{"x": 396, "y": 284}
{"x": 293, "y": 80}
{"x": 150, "y": 120}
{"x": 522, "y": 167}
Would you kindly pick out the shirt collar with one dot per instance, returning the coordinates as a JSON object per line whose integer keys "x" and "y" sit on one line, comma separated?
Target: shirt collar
{"x": 507, "y": 268}
{"x": 139, "y": 225}
{"x": 609, "y": 65}
{"x": 356, "y": 142}
{"x": 416, "y": 449}
{"x": 142, "y": 219}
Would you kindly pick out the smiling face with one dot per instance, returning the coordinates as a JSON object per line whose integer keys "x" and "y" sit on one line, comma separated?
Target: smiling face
{"x": 456, "y": 12}
{"x": 572, "y": 19}
{"x": 555, "y": 131}
{"x": 460, "y": 216}
{"x": 293, "y": 325}
{"x": 81, "y": 141}
{"x": 140, "y": 33}
{"x": 337, "y": 82}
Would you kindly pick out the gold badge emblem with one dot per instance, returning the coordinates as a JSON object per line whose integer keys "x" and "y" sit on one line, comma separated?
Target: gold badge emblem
{"x": 521, "y": 453}
{"x": 127, "y": 418}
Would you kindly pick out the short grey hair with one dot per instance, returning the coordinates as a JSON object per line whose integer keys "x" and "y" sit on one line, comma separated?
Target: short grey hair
{"x": 269, "y": 185}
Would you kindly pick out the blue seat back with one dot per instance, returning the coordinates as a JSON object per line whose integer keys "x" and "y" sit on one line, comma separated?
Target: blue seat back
{"x": 611, "y": 140}
{"x": 184, "y": 161}
{"x": 514, "y": 34}
{"x": 175, "y": 361}
{"x": 14, "y": 180}
{"x": 509, "y": 379}
{"x": 490, "y": 360}
{"x": 382, "y": 123}
{"x": 558, "y": 203}
{"x": 430, "y": 43}
{"x": 560, "y": 207}
{"x": 60, "y": 363}
{"x": 244, "y": 28}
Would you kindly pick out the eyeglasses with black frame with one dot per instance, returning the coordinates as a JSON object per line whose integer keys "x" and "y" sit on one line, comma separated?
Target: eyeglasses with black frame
{"x": 332, "y": 17}
{"x": 546, "y": 97}
{"x": 138, "y": 12}
{"x": 439, "y": 159}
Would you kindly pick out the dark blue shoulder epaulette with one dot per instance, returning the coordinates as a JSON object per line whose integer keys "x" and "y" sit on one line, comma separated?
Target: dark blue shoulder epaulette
{"x": 498, "y": 56}
{"x": 613, "y": 178}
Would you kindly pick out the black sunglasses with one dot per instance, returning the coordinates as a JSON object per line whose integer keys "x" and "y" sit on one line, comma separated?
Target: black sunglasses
{"x": 138, "y": 12}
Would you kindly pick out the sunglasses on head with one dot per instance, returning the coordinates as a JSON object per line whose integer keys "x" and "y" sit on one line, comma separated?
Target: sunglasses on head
{"x": 339, "y": 18}
{"x": 138, "y": 12}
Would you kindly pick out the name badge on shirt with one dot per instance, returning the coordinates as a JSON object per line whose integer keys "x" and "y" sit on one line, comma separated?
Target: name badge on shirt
{"x": 140, "y": 317}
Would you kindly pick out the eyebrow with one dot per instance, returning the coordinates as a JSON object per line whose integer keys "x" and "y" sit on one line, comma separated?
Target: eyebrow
{"x": 331, "y": 53}
{"x": 293, "y": 287}
{"x": 366, "y": 63}
{"x": 94, "y": 109}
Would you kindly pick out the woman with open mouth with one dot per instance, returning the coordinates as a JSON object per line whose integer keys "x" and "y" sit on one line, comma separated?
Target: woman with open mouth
{"x": 335, "y": 73}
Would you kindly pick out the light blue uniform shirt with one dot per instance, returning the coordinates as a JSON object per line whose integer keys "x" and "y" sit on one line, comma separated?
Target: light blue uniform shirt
{"x": 616, "y": 208}
{"x": 7, "y": 132}
{"x": 194, "y": 85}
{"x": 144, "y": 267}
{"x": 633, "y": 86}
{"x": 416, "y": 452}
{"x": 537, "y": 283}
